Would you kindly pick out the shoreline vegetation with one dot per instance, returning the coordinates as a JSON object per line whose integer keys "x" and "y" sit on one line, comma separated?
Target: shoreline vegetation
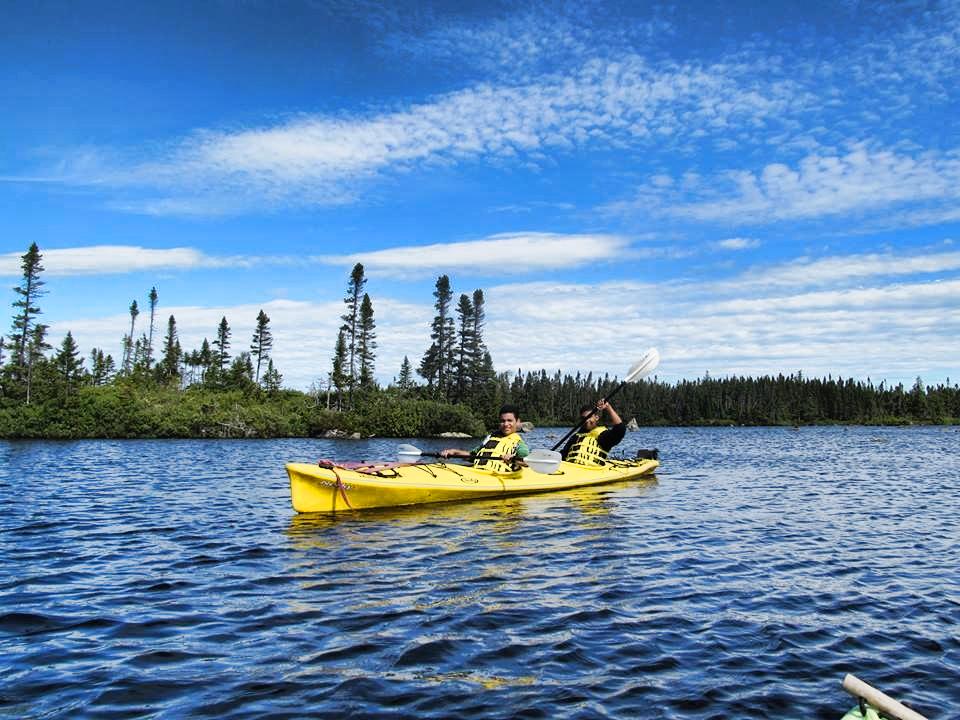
{"x": 125, "y": 411}
{"x": 159, "y": 390}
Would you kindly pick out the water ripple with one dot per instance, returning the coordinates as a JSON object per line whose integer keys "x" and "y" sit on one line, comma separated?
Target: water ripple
{"x": 171, "y": 579}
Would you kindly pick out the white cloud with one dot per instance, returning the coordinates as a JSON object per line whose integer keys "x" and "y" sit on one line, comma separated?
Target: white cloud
{"x": 107, "y": 259}
{"x": 847, "y": 268}
{"x": 894, "y": 325}
{"x": 737, "y": 243}
{"x": 505, "y": 253}
{"x": 818, "y": 186}
{"x": 324, "y": 160}
{"x": 119, "y": 259}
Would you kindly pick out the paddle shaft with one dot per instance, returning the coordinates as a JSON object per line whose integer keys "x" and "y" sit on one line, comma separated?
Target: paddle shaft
{"x": 583, "y": 420}
{"x": 859, "y": 689}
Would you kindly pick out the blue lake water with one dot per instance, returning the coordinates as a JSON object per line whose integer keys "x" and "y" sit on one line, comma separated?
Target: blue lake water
{"x": 172, "y": 579}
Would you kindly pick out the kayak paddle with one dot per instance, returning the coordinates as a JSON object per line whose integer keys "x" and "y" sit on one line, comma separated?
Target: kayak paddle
{"x": 542, "y": 461}
{"x": 640, "y": 369}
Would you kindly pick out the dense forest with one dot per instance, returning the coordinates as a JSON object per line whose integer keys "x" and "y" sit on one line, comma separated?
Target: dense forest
{"x": 158, "y": 389}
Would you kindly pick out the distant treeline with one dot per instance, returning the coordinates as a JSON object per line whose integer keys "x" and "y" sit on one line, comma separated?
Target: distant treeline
{"x": 781, "y": 400}
{"x": 157, "y": 389}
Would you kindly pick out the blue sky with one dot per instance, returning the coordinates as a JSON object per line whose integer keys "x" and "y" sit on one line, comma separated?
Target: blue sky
{"x": 751, "y": 189}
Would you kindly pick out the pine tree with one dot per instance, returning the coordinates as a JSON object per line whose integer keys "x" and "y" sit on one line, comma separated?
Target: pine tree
{"x": 481, "y": 367}
{"x": 405, "y": 380}
{"x": 351, "y": 321}
{"x": 339, "y": 377}
{"x": 26, "y": 311}
{"x": 262, "y": 342}
{"x": 240, "y": 374}
{"x": 366, "y": 343}
{"x": 436, "y": 365}
{"x": 465, "y": 348}
{"x": 169, "y": 367}
{"x": 206, "y": 358}
{"x": 128, "y": 340}
{"x": 101, "y": 367}
{"x": 272, "y": 378}
{"x": 36, "y": 346}
{"x": 148, "y": 359}
{"x": 221, "y": 357}
{"x": 68, "y": 364}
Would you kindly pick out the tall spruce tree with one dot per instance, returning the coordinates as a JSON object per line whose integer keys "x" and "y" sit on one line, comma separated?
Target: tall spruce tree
{"x": 169, "y": 367}
{"x": 272, "y": 378}
{"x": 36, "y": 347}
{"x": 339, "y": 377}
{"x": 221, "y": 357}
{"x": 366, "y": 343}
{"x": 68, "y": 364}
{"x": 262, "y": 342}
{"x": 436, "y": 367}
{"x": 26, "y": 311}
{"x": 405, "y": 380}
{"x": 465, "y": 348}
{"x": 152, "y": 297}
{"x": 127, "y": 363}
{"x": 101, "y": 367}
{"x": 351, "y": 321}
{"x": 481, "y": 367}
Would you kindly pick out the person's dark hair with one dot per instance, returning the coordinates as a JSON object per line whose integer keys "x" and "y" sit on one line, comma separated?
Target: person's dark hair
{"x": 509, "y": 409}
{"x": 589, "y": 406}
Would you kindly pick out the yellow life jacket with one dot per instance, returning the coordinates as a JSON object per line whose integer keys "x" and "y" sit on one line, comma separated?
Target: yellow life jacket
{"x": 488, "y": 457}
{"x": 586, "y": 450}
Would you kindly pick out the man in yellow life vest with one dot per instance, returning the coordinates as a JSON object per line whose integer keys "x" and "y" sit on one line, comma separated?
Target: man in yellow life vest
{"x": 498, "y": 451}
{"x": 591, "y": 445}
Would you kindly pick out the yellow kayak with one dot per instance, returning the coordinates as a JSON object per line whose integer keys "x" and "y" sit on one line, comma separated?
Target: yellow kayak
{"x": 328, "y": 487}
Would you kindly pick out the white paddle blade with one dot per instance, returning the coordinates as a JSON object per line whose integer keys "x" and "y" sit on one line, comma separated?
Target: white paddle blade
{"x": 408, "y": 453}
{"x": 543, "y": 461}
{"x": 644, "y": 366}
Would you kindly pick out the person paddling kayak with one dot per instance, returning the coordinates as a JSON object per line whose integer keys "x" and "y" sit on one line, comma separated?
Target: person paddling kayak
{"x": 499, "y": 450}
{"x": 591, "y": 445}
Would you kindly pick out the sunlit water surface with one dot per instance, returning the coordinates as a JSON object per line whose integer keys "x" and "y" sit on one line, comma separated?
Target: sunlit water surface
{"x": 172, "y": 579}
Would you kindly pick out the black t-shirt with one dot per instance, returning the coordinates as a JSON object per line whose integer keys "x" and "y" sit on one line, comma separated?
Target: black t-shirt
{"x": 606, "y": 440}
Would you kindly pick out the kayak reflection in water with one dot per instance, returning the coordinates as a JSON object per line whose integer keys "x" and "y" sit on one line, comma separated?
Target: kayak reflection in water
{"x": 592, "y": 444}
{"x": 499, "y": 451}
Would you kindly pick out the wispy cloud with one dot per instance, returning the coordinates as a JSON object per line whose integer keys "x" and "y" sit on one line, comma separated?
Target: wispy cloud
{"x": 819, "y": 186}
{"x": 800, "y": 316}
{"x": 322, "y": 160}
{"x": 737, "y": 243}
{"x": 505, "y": 253}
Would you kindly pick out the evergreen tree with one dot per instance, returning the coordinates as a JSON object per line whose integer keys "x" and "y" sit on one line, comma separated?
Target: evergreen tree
{"x": 126, "y": 365}
{"x": 36, "y": 346}
{"x": 240, "y": 374}
{"x": 339, "y": 377}
{"x": 351, "y": 321}
{"x": 465, "y": 348}
{"x": 221, "y": 356}
{"x": 169, "y": 367}
{"x": 206, "y": 361}
{"x": 366, "y": 343}
{"x": 26, "y": 310}
{"x": 148, "y": 359}
{"x": 262, "y": 342}
{"x": 436, "y": 367}
{"x": 101, "y": 367}
{"x": 405, "y": 380}
{"x": 68, "y": 364}
{"x": 272, "y": 378}
{"x": 481, "y": 367}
